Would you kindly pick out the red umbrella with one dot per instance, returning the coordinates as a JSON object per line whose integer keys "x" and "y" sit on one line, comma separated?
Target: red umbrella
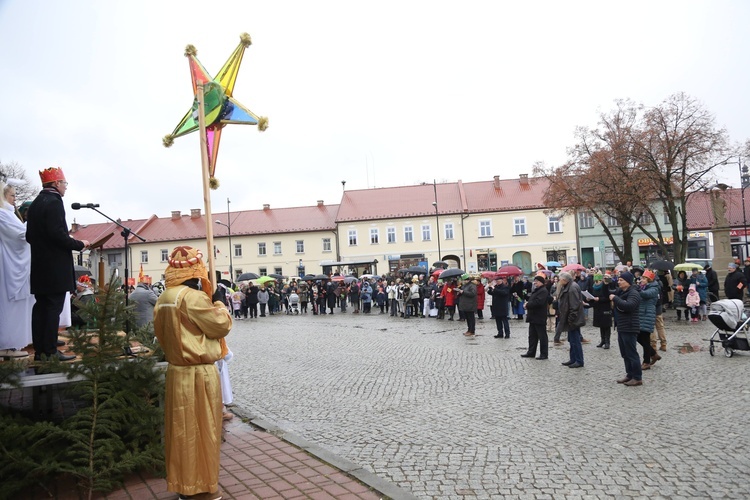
{"x": 437, "y": 272}
{"x": 337, "y": 278}
{"x": 510, "y": 271}
{"x": 490, "y": 275}
{"x": 574, "y": 267}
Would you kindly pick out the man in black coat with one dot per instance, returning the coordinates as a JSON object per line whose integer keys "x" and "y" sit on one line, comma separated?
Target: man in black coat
{"x": 735, "y": 283}
{"x": 627, "y": 305}
{"x": 52, "y": 272}
{"x": 500, "y": 293}
{"x": 536, "y": 316}
{"x": 713, "y": 282}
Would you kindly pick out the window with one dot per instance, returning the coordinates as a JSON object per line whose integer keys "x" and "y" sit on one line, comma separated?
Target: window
{"x": 644, "y": 219}
{"x": 612, "y": 221}
{"x": 114, "y": 260}
{"x": 408, "y": 234}
{"x": 300, "y": 246}
{"x": 666, "y": 218}
{"x": 144, "y": 256}
{"x": 374, "y": 236}
{"x": 519, "y": 226}
{"x": 263, "y": 271}
{"x": 585, "y": 220}
{"x": 553, "y": 224}
{"x": 426, "y": 232}
{"x": 261, "y": 248}
{"x": 485, "y": 228}
{"x": 391, "y": 233}
{"x": 237, "y": 273}
{"x": 238, "y": 250}
{"x": 448, "y": 231}
{"x": 277, "y": 270}
{"x": 352, "y": 237}
{"x": 277, "y": 248}
{"x": 164, "y": 255}
{"x": 326, "y": 244}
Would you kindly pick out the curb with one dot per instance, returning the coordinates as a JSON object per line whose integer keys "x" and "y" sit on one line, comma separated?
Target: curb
{"x": 375, "y": 482}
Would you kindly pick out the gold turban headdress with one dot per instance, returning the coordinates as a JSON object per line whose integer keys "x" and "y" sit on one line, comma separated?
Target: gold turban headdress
{"x": 187, "y": 263}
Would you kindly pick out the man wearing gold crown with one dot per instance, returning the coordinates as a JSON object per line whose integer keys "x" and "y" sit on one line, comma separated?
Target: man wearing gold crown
{"x": 191, "y": 330}
{"x": 52, "y": 272}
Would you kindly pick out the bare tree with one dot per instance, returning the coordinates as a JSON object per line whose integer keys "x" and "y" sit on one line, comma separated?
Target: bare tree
{"x": 27, "y": 190}
{"x": 676, "y": 148}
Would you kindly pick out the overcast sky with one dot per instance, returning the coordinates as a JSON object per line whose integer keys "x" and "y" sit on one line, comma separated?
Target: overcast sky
{"x": 374, "y": 93}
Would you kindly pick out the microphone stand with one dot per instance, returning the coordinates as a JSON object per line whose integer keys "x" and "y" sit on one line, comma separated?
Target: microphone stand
{"x": 126, "y": 232}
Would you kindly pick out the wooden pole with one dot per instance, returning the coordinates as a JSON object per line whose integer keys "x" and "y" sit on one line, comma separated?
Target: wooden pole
{"x": 206, "y": 188}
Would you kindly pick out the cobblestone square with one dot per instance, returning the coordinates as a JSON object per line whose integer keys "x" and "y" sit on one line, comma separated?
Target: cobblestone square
{"x": 443, "y": 416}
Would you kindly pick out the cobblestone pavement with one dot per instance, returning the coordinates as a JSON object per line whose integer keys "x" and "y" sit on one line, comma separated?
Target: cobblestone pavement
{"x": 442, "y": 416}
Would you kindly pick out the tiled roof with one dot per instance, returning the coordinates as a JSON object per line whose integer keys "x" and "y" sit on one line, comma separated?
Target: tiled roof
{"x": 700, "y": 213}
{"x": 248, "y": 222}
{"x": 95, "y": 232}
{"x": 452, "y": 198}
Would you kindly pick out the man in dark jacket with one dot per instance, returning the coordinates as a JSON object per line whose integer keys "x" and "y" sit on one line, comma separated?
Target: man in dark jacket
{"x": 572, "y": 318}
{"x": 734, "y": 284}
{"x": 627, "y": 305}
{"x": 467, "y": 303}
{"x": 536, "y": 316}
{"x": 52, "y": 274}
{"x": 713, "y": 282}
{"x": 500, "y": 293}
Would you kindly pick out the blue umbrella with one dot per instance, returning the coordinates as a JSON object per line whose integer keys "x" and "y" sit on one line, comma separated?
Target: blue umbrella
{"x": 553, "y": 263}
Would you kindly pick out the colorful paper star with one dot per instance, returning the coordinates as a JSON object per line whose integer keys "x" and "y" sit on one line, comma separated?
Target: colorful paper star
{"x": 219, "y": 105}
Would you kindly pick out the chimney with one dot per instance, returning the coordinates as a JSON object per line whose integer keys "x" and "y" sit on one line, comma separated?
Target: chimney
{"x": 320, "y": 203}
{"x": 195, "y": 213}
{"x": 496, "y": 182}
{"x": 74, "y": 227}
{"x": 524, "y": 179}
{"x": 266, "y": 206}
{"x": 176, "y": 214}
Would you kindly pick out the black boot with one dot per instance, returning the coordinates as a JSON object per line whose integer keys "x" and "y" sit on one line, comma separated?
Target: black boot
{"x": 606, "y": 336}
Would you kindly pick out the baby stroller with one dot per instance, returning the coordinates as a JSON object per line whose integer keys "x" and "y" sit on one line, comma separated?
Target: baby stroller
{"x": 293, "y": 304}
{"x": 732, "y": 324}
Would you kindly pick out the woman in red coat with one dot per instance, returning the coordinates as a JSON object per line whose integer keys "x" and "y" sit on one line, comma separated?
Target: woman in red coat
{"x": 449, "y": 295}
{"x": 480, "y": 298}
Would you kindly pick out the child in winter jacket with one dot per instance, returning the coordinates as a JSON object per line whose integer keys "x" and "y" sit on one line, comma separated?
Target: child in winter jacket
{"x": 693, "y": 301}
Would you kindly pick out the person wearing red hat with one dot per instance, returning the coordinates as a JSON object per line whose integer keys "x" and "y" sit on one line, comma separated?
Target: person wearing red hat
{"x": 52, "y": 273}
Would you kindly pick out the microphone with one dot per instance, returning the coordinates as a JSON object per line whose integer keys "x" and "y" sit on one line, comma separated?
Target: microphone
{"x": 78, "y": 206}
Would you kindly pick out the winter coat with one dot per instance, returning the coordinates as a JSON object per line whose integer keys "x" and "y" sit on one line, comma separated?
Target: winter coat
{"x": 680, "y": 292}
{"x": 480, "y": 296}
{"x": 449, "y": 294}
{"x": 692, "y": 299}
{"x": 732, "y": 282}
{"x": 536, "y": 306}
{"x": 500, "y": 300}
{"x": 467, "y": 299}
{"x": 263, "y": 296}
{"x": 666, "y": 287}
{"x": 647, "y": 310}
{"x": 627, "y": 310}
{"x": 713, "y": 281}
{"x": 51, "y": 245}
{"x": 570, "y": 308}
{"x": 602, "y": 308}
{"x": 701, "y": 284}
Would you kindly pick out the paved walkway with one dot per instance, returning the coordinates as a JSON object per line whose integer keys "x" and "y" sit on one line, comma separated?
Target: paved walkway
{"x": 446, "y": 417}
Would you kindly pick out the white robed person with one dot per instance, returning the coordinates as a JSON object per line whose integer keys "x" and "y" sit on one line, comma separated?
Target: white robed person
{"x": 16, "y": 300}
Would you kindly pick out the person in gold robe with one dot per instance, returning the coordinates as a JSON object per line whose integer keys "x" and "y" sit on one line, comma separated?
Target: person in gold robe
{"x": 191, "y": 330}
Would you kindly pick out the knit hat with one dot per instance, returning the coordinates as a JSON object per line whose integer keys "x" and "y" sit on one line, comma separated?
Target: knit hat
{"x": 598, "y": 277}
{"x": 186, "y": 263}
{"x": 627, "y": 277}
{"x": 732, "y": 265}
{"x": 692, "y": 286}
{"x": 540, "y": 279}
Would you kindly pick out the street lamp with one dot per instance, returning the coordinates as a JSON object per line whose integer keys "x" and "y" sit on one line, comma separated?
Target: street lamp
{"x": 745, "y": 181}
{"x": 437, "y": 220}
{"x": 231, "y": 250}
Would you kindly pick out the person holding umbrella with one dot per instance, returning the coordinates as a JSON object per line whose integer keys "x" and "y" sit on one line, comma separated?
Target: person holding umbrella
{"x": 572, "y": 318}
{"x": 500, "y": 293}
